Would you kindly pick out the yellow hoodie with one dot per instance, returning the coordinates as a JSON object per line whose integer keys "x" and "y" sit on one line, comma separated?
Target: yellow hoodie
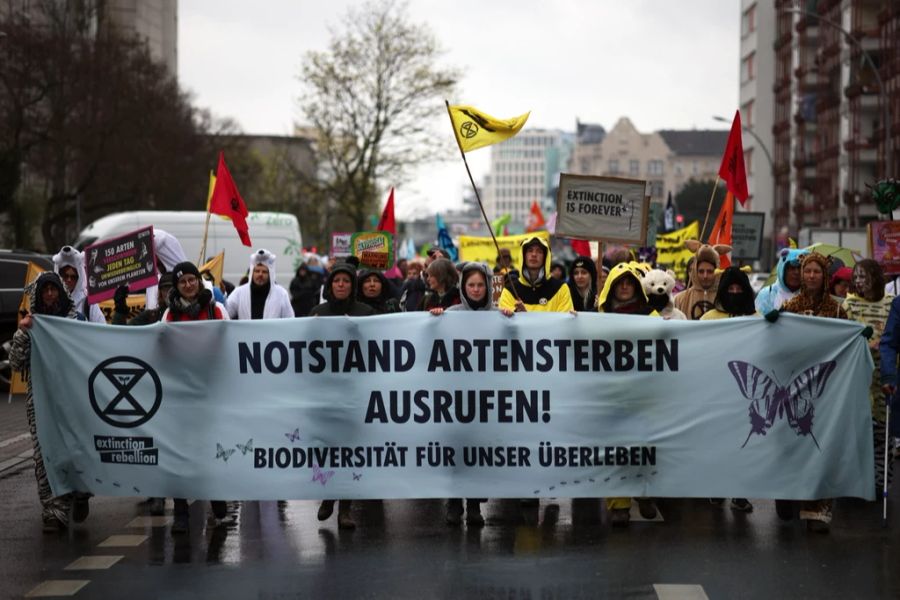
{"x": 545, "y": 295}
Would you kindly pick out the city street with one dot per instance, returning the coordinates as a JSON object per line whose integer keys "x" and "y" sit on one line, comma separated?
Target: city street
{"x": 403, "y": 549}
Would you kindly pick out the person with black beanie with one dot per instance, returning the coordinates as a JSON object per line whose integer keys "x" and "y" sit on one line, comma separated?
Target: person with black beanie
{"x": 582, "y": 284}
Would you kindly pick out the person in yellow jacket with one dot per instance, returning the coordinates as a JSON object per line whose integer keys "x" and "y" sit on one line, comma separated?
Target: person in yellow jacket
{"x": 535, "y": 290}
{"x": 623, "y": 294}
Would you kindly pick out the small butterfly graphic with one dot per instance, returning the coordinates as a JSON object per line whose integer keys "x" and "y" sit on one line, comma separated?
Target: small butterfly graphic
{"x": 320, "y": 475}
{"x": 294, "y": 435}
{"x": 116, "y": 484}
{"x": 137, "y": 491}
{"x": 770, "y": 400}
{"x": 245, "y": 448}
{"x": 223, "y": 453}
{"x": 97, "y": 480}
{"x": 357, "y": 476}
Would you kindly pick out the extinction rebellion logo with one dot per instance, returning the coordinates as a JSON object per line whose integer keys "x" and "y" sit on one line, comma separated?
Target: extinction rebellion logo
{"x": 125, "y": 392}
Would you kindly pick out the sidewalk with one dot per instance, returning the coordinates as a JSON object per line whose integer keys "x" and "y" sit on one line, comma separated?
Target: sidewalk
{"x": 15, "y": 441}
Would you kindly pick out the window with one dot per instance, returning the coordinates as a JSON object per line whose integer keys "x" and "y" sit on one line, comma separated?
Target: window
{"x": 656, "y": 188}
{"x": 654, "y": 167}
{"x": 748, "y": 71}
{"x": 747, "y": 114}
{"x": 634, "y": 167}
{"x": 613, "y": 166}
{"x": 748, "y": 21}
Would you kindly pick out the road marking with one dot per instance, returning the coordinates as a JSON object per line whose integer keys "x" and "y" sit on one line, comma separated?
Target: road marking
{"x": 57, "y": 587}
{"x": 673, "y": 591}
{"x": 90, "y": 563}
{"x": 13, "y": 440}
{"x": 161, "y": 521}
{"x": 116, "y": 541}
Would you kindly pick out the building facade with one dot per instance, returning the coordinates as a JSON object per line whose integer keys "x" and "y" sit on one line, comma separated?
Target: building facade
{"x": 153, "y": 21}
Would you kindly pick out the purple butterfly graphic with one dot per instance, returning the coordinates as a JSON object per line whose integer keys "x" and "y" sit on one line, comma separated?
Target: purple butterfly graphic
{"x": 320, "y": 475}
{"x": 770, "y": 400}
{"x": 293, "y": 435}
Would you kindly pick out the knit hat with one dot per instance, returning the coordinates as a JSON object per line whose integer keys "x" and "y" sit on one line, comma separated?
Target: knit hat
{"x": 184, "y": 268}
{"x": 165, "y": 280}
{"x": 586, "y": 263}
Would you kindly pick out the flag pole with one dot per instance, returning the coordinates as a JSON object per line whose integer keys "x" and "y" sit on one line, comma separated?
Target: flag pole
{"x": 487, "y": 222}
{"x": 200, "y": 260}
{"x": 712, "y": 197}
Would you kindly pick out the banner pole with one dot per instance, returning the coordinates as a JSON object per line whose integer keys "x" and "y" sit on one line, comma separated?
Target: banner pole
{"x": 487, "y": 222}
{"x": 201, "y": 260}
{"x": 712, "y": 197}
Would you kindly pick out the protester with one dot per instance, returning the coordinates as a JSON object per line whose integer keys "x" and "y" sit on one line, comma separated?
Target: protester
{"x": 734, "y": 298}
{"x": 558, "y": 271}
{"x": 148, "y": 315}
{"x": 839, "y": 284}
{"x": 340, "y": 300}
{"x": 787, "y": 281}
{"x": 376, "y": 291}
{"x": 624, "y": 294}
{"x": 261, "y": 297}
{"x": 189, "y": 300}
{"x": 699, "y": 297}
{"x": 68, "y": 263}
{"x": 581, "y": 284}
{"x": 475, "y": 294}
{"x": 504, "y": 263}
{"x": 47, "y": 296}
{"x": 533, "y": 290}
{"x": 867, "y": 303}
{"x": 209, "y": 282}
{"x": 306, "y": 288}
{"x": 414, "y": 287}
{"x": 441, "y": 277}
{"x": 603, "y": 267}
{"x": 812, "y": 300}
{"x": 434, "y": 253}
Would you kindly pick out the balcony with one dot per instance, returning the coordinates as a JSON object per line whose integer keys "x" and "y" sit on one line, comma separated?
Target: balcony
{"x": 856, "y": 89}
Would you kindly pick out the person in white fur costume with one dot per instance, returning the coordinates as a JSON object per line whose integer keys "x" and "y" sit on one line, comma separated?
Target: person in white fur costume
{"x": 261, "y": 297}
{"x": 68, "y": 263}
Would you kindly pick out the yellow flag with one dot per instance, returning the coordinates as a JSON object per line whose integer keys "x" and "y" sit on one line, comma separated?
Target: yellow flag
{"x": 670, "y": 250}
{"x": 215, "y": 265}
{"x": 475, "y": 129}
{"x": 212, "y": 186}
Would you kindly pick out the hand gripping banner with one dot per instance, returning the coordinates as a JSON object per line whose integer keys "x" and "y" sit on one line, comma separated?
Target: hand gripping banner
{"x": 460, "y": 405}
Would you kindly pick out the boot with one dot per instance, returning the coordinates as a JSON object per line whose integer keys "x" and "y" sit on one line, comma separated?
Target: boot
{"x": 345, "y": 520}
{"x": 785, "y": 509}
{"x": 325, "y": 510}
{"x": 619, "y": 517}
{"x": 81, "y": 507}
{"x": 647, "y": 508}
{"x": 157, "y": 507}
{"x": 454, "y": 512}
{"x": 473, "y": 514}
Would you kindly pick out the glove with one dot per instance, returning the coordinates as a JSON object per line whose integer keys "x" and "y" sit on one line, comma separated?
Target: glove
{"x": 120, "y": 299}
{"x": 772, "y": 316}
{"x": 867, "y": 332}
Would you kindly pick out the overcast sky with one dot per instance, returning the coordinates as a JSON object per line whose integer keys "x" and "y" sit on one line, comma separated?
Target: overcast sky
{"x": 663, "y": 64}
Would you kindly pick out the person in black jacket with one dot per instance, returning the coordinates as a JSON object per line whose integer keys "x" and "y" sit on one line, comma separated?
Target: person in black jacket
{"x": 306, "y": 286}
{"x": 377, "y": 291}
{"x": 147, "y": 316}
{"x": 582, "y": 281}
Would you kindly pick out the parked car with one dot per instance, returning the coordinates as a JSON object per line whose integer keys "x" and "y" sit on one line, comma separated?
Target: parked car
{"x": 13, "y": 266}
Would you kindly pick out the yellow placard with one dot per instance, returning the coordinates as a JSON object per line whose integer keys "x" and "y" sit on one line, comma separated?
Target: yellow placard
{"x": 482, "y": 249}
{"x": 670, "y": 250}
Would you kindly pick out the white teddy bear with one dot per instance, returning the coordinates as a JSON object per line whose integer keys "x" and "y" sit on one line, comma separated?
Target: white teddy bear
{"x": 658, "y": 285}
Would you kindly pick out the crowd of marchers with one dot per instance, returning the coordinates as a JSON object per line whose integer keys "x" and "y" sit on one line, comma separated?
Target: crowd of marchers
{"x": 806, "y": 283}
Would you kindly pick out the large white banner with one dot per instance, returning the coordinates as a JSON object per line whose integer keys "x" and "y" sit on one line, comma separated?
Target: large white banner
{"x": 461, "y": 405}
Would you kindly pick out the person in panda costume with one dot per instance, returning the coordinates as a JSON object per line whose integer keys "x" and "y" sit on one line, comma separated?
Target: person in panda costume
{"x": 261, "y": 297}
{"x": 68, "y": 263}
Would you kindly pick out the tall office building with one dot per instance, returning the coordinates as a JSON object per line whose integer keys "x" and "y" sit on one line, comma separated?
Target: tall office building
{"x": 154, "y": 21}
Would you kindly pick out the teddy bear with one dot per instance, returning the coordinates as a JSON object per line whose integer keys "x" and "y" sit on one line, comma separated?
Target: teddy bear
{"x": 658, "y": 285}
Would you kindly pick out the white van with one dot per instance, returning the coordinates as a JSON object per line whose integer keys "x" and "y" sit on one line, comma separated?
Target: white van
{"x": 277, "y": 232}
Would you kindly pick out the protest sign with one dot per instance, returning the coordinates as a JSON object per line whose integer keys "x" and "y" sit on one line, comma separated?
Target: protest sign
{"x": 374, "y": 249}
{"x": 670, "y": 250}
{"x": 468, "y": 404}
{"x": 128, "y": 259}
{"x": 747, "y": 235}
{"x": 884, "y": 245}
{"x": 340, "y": 244}
{"x": 611, "y": 209}
{"x": 482, "y": 249}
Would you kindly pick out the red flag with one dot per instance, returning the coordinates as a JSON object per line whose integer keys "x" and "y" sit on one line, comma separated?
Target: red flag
{"x": 387, "y": 222}
{"x": 581, "y": 247}
{"x": 721, "y": 230}
{"x": 732, "y": 169}
{"x": 535, "y": 220}
{"x": 226, "y": 201}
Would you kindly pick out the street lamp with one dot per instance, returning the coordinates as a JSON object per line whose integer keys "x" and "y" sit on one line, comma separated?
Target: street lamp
{"x": 762, "y": 145}
{"x": 886, "y": 117}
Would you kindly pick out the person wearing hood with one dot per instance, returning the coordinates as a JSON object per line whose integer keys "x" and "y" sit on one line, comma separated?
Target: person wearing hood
{"x": 442, "y": 278}
{"x": 582, "y": 282}
{"x": 699, "y": 297}
{"x": 47, "y": 296}
{"x": 558, "y": 271}
{"x": 340, "y": 300}
{"x": 414, "y": 287}
{"x": 261, "y": 297}
{"x": 376, "y": 290}
{"x": 787, "y": 281}
{"x": 624, "y": 294}
{"x": 68, "y": 263}
{"x": 813, "y": 300}
{"x": 534, "y": 291}
{"x": 475, "y": 294}
{"x": 868, "y": 304}
{"x": 306, "y": 288}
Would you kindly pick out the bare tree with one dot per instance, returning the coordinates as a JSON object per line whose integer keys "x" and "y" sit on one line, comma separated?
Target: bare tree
{"x": 374, "y": 99}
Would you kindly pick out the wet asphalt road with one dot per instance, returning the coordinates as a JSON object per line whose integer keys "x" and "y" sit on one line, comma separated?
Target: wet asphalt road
{"x": 403, "y": 549}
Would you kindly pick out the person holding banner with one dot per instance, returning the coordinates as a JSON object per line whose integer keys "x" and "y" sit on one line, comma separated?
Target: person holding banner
{"x": 787, "y": 281}
{"x": 624, "y": 294}
{"x": 68, "y": 263}
{"x": 699, "y": 297}
{"x": 148, "y": 316}
{"x": 261, "y": 297}
{"x": 47, "y": 296}
{"x": 375, "y": 290}
{"x": 582, "y": 284}
{"x": 534, "y": 290}
{"x": 474, "y": 295}
{"x": 441, "y": 276}
{"x": 813, "y": 300}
